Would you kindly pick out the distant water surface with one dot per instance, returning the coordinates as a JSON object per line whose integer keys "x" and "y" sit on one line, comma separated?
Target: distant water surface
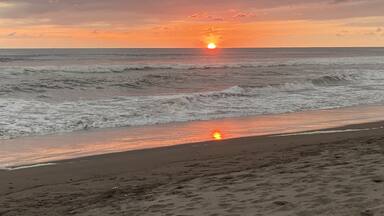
{"x": 48, "y": 91}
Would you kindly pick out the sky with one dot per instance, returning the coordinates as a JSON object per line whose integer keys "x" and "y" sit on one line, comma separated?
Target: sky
{"x": 190, "y": 23}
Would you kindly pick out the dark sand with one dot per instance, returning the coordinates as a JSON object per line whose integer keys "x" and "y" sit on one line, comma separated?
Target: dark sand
{"x": 322, "y": 174}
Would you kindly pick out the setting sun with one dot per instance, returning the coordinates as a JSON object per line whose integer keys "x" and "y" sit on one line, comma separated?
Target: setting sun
{"x": 211, "y": 46}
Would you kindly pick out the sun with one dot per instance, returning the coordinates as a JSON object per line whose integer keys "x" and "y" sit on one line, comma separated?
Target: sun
{"x": 211, "y": 46}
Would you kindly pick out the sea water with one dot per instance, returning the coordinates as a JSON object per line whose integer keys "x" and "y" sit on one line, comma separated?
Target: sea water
{"x": 49, "y": 91}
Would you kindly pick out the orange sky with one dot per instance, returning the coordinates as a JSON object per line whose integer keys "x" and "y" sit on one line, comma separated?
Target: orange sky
{"x": 182, "y": 23}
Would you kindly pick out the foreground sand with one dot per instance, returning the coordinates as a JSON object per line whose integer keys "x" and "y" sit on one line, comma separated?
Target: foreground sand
{"x": 325, "y": 174}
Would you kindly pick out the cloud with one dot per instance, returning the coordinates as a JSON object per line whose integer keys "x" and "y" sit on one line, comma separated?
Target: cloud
{"x": 12, "y": 34}
{"x": 180, "y": 23}
{"x": 204, "y": 16}
{"x": 143, "y": 12}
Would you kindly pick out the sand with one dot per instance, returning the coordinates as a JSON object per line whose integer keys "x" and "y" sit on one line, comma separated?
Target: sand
{"x": 315, "y": 174}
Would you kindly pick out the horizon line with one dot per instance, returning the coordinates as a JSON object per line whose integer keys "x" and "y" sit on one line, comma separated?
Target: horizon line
{"x": 282, "y": 47}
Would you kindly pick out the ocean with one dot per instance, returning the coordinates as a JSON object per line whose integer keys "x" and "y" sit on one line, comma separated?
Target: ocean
{"x": 50, "y": 91}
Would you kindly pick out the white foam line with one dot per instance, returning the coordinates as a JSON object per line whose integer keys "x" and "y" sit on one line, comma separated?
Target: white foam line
{"x": 327, "y": 132}
{"x": 28, "y": 166}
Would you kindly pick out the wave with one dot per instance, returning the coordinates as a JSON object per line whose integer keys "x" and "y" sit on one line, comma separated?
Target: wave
{"x": 335, "y": 79}
{"x": 160, "y": 80}
{"x": 156, "y": 81}
{"x": 33, "y": 117}
{"x": 129, "y": 68}
{"x": 125, "y": 68}
{"x": 6, "y": 59}
{"x": 133, "y": 67}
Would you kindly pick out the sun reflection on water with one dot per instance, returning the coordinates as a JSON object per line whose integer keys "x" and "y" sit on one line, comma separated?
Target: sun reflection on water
{"x": 217, "y": 135}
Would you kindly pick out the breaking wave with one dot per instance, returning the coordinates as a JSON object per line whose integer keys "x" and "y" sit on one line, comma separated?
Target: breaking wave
{"x": 335, "y": 79}
{"x": 32, "y": 117}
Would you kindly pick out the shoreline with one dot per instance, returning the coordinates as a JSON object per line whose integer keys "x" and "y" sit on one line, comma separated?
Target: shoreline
{"x": 363, "y": 127}
{"x": 27, "y": 151}
{"x": 174, "y": 179}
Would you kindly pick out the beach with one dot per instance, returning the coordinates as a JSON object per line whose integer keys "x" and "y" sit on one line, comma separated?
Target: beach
{"x": 339, "y": 172}
{"x": 189, "y": 131}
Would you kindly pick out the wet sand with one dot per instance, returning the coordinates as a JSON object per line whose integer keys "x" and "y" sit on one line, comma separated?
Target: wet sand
{"x": 64, "y": 146}
{"x": 314, "y": 174}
